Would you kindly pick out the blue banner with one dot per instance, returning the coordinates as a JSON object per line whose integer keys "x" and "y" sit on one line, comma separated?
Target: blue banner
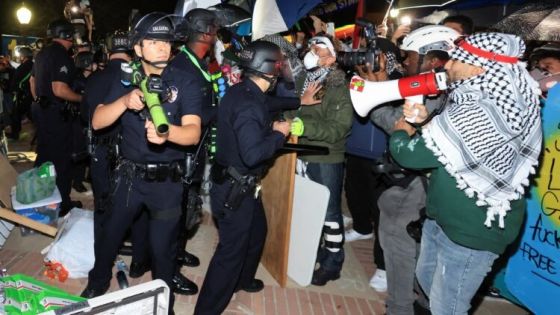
{"x": 533, "y": 272}
{"x": 9, "y": 42}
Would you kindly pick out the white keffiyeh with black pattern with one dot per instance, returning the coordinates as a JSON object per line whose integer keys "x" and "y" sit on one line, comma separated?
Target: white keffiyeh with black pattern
{"x": 489, "y": 135}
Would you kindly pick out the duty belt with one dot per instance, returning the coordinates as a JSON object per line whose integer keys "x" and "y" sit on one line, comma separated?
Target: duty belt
{"x": 221, "y": 173}
{"x": 240, "y": 187}
{"x": 156, "y": 171}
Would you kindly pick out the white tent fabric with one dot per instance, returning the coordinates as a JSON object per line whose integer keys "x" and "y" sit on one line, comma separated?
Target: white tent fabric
{"x": 267, "y": 19}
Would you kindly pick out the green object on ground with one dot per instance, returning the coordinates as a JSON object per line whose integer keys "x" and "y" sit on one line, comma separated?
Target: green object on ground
{"x": 26, "y": 295}
{"x": 36, "y": 184}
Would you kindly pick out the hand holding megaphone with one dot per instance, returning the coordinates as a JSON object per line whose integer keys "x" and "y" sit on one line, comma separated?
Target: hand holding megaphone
{"x": 414, "y": 111}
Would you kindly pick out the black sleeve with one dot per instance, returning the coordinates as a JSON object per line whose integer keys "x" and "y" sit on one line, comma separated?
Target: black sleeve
{"x": 190, "y": 96}
{"x": 278, "y": 103}
{"x": 63, "y": 69}
{"x": 257, "y": 143}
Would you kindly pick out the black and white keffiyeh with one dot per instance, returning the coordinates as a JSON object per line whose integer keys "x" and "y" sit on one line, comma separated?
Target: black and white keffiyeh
{"x": 392, "y": 65}
{"x": 318, "y": 76}
{"x": 489, "y": 135}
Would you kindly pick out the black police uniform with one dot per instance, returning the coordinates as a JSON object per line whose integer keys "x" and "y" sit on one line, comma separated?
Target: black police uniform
{"x": 104, "y": 155}
{"x": 148, "y": 175}
{"x": 54, "y": 128}
{"x": 96, "y": 92}
{"x": 246, "y": 143}
{"x": 79, "y": 150}
{"x": 203, "y": 86}
{"x": 22, "y": 96}
{"x": 202, "y": 83}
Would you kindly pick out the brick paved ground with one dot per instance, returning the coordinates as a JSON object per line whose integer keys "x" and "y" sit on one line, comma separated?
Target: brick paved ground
{"x": 348, "y": 295}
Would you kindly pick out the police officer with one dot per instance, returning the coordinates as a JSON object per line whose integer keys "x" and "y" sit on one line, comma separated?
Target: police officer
{"x": 21, "y": 89}
{"x": 247, "y": 140}
{"x": 83, "y": 61}
{"x": 149, "y": 172}
{"x": 51, "y": 81}
{"x": 103, "y": 145}
{"x": 198, "y": 30}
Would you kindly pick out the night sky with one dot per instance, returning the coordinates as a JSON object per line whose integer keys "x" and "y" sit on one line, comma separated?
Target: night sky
{"x": 108, "y": 14}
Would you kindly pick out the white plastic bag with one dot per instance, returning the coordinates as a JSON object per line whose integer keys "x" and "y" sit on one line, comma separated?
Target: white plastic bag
{"x": 74, "y": 248}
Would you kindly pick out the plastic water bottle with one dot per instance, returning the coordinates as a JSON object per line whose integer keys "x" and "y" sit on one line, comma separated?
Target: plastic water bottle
{"x": 122, "y": 280}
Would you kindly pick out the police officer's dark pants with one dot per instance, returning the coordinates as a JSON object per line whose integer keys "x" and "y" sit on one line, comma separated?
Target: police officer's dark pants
{"x": 21, "y": 108}
{"x": 54, "y": 143}
{"x": 79, "y": 149}
{"x": 101, "y": 177}
{"x": 163, "y": 199}
{"x": 242, "y": 233}
{"x": 100, "y": 184}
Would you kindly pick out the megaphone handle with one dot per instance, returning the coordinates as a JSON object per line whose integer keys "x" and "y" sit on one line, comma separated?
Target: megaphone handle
{"x": 416, "y": 99}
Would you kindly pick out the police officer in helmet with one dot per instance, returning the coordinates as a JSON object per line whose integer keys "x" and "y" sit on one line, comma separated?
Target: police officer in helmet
{"x": 51, "y": 81}
{"x": 21, "y": 89}
{"x": 247, "y": 141}
{"x": 198, "y": 31}
{"x": 103, "y": 143}
{"x": 149, "y": 172}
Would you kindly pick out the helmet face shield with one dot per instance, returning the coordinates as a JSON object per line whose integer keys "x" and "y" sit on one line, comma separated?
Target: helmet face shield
{"x": 290, "y": 69}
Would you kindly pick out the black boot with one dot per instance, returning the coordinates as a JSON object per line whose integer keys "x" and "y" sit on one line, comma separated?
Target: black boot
{"x": 182, "y": 285}
{"x": 188, "y": 259}
{"x": 66, "y": 207}
{"x": 322, "y": 276}
{"x": 256, "y": 285}
{"x": 138, "y": 269}
{"x": 91, "y": 292}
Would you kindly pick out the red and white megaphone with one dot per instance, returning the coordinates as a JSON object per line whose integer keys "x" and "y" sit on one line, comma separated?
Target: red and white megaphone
{"x": 366, "y": 95}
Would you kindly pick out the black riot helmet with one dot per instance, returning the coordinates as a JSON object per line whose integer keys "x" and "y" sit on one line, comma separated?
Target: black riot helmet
{"x": 83, "y": 60}
{"x": 60, "y": 28}
{"x": 197, "y": 21}
{"x": 100, "y": 58}
{"x": 117, "y": 42}
{"x": 261, "y": 57}
{"x": 155, "y": 25}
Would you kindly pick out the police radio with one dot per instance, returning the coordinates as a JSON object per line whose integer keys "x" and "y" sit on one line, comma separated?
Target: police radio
{"x": 152, "y": 87}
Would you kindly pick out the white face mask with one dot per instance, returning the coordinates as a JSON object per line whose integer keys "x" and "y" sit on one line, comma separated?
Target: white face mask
{"x": 299, "y": 45}
{"x": 311, "y": 60}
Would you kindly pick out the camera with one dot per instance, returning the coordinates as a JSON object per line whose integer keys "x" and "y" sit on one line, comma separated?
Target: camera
{"x": 368, "y": 55}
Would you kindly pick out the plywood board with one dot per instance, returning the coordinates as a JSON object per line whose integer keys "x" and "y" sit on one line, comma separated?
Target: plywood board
{"x": 277, "y": 195}
{"x": 8, "y": 176}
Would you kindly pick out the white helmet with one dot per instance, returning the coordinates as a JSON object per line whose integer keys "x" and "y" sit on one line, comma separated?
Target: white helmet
{"x": 431, "y": 37}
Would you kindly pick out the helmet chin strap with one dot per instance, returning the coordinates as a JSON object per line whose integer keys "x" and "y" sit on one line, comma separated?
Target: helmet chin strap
{"x": 157, "y": 64}
{"x": 272, "y": 80}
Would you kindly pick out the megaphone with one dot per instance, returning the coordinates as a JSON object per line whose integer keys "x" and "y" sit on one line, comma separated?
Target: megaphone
{"x": 366, "y": 95}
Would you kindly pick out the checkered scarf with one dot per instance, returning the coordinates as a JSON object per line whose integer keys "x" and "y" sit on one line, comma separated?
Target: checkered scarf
{"x": 392, "y": 65}
{"x": 318, "y": 76}
{"x": 489, "y": 136}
